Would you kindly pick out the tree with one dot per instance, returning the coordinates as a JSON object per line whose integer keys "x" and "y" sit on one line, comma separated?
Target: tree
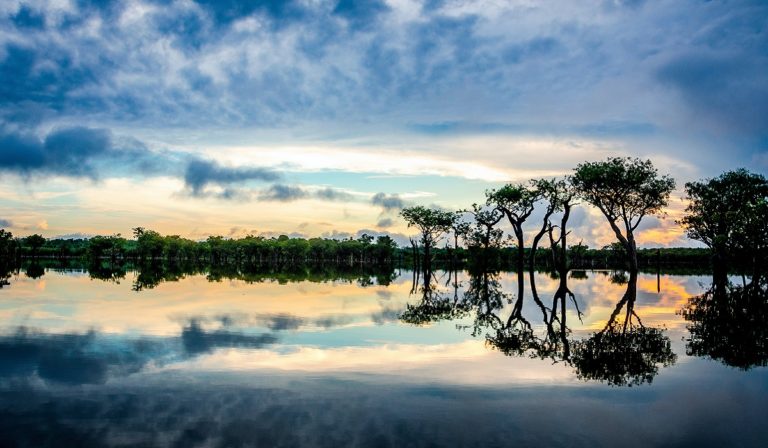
{"x": 559, "y": 195}
{"x": 483, "y": 234}
{"x": 149, "y": 244}
{"x": 729, "y": 214}
{"x": 35, "y": 242}
{"x": 432, "y": 224}
{"x": 7, "y": 245}
{"x": 516, "y": 201}
{"x": 625, "y": 190}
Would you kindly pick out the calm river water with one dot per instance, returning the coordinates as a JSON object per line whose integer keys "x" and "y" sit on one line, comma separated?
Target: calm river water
{"x": 205, "y": 359}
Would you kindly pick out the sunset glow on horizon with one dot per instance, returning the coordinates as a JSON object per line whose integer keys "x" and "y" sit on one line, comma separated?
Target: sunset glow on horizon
{"x": 202, "y": 118}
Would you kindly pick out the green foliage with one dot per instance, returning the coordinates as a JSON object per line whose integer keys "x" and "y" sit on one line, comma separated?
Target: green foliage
{"x": 8, "y": 245}
{"x": 107, "y": 246}
{"x": 34, "y": 243}
{"x": 558, "y": 193}
{"x": 625, "y": 190}
{"x": 432, "y": 223}
{"x": 482, "y": 233}
{"x": 729, "y": 214}
{"x": 515, "y": 200}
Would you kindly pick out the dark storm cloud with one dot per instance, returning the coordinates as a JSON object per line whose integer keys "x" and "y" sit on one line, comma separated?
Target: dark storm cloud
{"x": 200, "y": 173}
{"x": 730, "y": 89}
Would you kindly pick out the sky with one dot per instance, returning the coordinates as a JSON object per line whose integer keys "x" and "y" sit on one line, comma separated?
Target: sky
{"x": 326, "y": 117}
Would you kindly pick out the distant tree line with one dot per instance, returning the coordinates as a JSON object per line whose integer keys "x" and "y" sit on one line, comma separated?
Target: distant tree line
{"x": 729, "y": 214}
{"x": 149, "y": 245}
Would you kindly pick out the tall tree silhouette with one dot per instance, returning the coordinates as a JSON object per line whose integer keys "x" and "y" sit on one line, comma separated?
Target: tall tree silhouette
{"x": 431, "y": 223}
{"x": 516, "y": 201}
{"x": 35, "y": 242}
{"x": 625, "y": 190}
{"x": 730, "y": 215}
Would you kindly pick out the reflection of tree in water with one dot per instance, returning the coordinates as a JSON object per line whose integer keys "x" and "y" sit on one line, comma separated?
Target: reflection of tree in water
{"x": 149, "y": 275}
{"x": 728, "y": 323}
{"x": 624, "y": 352}
{"x": 107, "y": 271}
{"x": 515, "y": 336}
{"x": 435, "y": 305}
{"x": 34, "y": 271}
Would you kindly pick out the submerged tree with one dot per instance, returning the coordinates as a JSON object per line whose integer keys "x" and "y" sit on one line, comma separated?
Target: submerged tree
{"x": 483, "y": 235}
{"x": 516, "y": 201}
{"x": 730, "y": 215}
{"x": 559, "y": 196}
{"x": 625, "y": 190}
{"x": 432, "y": 224}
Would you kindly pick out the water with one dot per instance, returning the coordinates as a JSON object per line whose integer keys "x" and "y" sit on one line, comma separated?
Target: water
{"x": 162, "y": 358}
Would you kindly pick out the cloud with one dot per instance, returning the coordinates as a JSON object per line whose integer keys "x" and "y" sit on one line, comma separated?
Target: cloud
{"x": 5, "y": 223}
{"x": 333, "y": 194}
{"x": 201, "y": 173}
{"x": 288, "y": 193}
{"x": 283, "y": 193}
{"x": 196, "y": 340}
{"x": 728, "y": 88}
{"x": 389, "y": 203}
{"x": 385, "y": 222}
{"x": 75, "y": 152}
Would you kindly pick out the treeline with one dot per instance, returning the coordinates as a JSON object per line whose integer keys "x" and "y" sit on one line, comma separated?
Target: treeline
{"x": 148, "y": 245}
{"x": 151, "y": 246}
{"x": 729, "y": 214}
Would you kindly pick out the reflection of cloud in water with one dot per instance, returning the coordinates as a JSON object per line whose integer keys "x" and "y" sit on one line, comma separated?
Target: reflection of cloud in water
{"x": 197, "y": 341}
{"x": 93, "y": 358}
{"x": 341, "y": 411}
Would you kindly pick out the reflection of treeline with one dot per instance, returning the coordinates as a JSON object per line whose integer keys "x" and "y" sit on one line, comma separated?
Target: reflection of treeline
{"x": 149, "y": 274}
{"x": 580, "y": 257}
{"x": 728, "y": 323}
{"x": 625, "y": 352}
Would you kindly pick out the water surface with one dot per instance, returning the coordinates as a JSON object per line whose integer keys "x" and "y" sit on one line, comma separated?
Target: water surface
{"x": 167, "y": 358}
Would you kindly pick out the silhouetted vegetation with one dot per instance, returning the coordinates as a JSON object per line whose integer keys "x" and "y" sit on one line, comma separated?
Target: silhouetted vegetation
{"x": 730, "y": 215}
{"x": 625, "y": 191}
{"x": 728, "y": 323}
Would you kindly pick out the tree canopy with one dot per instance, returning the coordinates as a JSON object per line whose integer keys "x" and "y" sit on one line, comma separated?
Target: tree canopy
{"x": 729, "y": 213}
{"x": 625, "y": 190}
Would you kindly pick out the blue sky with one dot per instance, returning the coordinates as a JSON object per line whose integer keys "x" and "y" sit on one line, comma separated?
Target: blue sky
{"x": 198, "y": 117}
